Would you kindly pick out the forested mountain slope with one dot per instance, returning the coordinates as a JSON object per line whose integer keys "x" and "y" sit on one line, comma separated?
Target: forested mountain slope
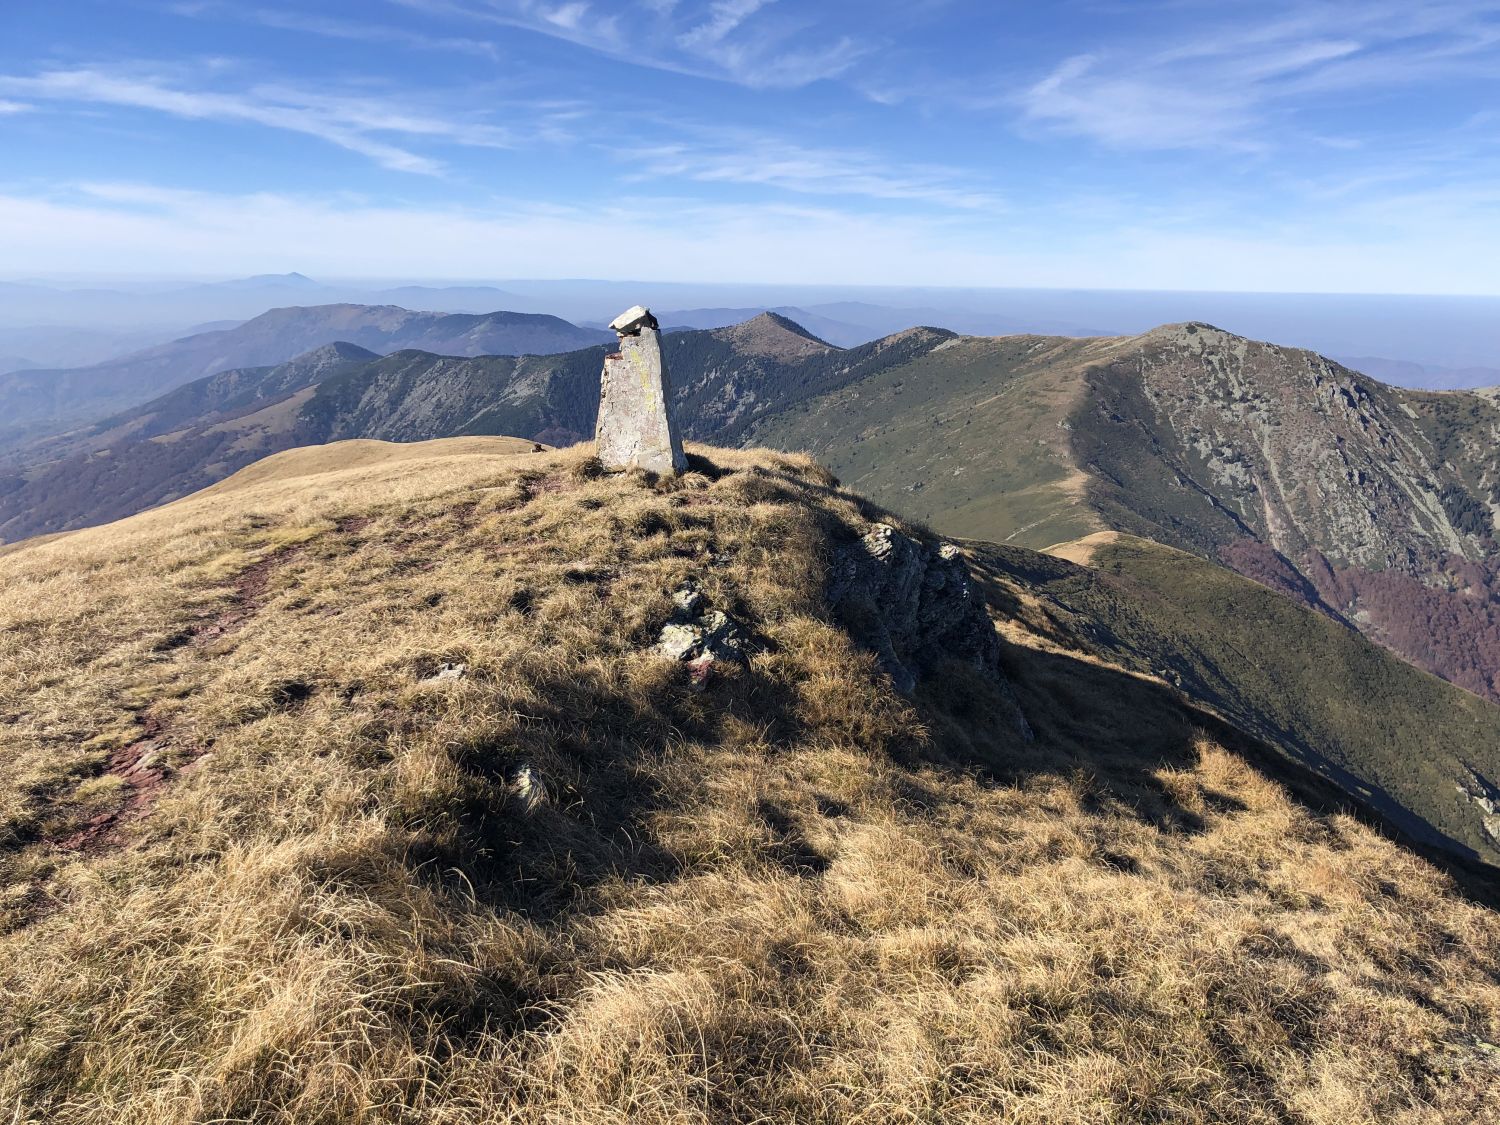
{"x": 206, "y": 430}
{"x": 45, "y": 401}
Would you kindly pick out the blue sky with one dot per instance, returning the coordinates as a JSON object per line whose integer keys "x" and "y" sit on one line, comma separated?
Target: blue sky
{"x": 1339, "y": 146}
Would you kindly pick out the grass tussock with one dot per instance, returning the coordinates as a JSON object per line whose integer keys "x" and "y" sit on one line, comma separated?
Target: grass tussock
{"x": 569, "y": 887}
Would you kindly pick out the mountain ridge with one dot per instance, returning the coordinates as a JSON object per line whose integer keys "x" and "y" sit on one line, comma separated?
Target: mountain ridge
{"x": 162, "y": 449}
{"x": 47, "y": 398}
{"x": 1375, "y": 503}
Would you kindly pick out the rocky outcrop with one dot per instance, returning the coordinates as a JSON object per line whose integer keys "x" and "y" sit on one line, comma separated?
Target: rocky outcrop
{"x": 1478, "y": 790}
{"x": 1484, "y": 795}
{"x": 915, "y": 605}
{"x": 699, "y": 636}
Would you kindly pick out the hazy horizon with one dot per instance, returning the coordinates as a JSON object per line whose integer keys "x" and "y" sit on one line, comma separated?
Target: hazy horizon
{"x": 383, "y": 281}
{"x": 79, "y": 322}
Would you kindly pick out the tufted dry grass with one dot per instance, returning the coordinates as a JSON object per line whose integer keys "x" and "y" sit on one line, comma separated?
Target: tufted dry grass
{"x": 793, "y": 896}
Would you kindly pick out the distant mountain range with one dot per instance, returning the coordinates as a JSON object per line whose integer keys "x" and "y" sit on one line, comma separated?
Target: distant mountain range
{"x": 837, "y": 332}
{"x": 33, "y": 399}
{"x": 1404, "y": 373}
{"x": 850, "y": 323}
{"x": 58, "y": 346}
{"x": 140, "y": 308}
{"x": 200, "y": 432}
{"x": 1438, "y": 334}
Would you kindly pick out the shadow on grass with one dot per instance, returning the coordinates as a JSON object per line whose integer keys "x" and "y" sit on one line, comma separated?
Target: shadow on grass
{"x": 1121, "y": 729}
{"x": 599, "y": 749}
{"x": 598, "y": 753}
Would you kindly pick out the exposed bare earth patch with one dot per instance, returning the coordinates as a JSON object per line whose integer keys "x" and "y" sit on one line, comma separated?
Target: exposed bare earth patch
{"x": 248, "y": 591}
{"x": 1081, "y": 551}
{"x": 143, "y": 771}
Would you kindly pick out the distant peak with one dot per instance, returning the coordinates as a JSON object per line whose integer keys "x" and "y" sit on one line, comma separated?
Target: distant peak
{"x": 272, "y": 281}
{"x": 773, "y": 334}
{"x": 918, "y": 332}
{"x": 785, "y": 322}
{"x": 340, "y": 351}
{"x": 314, "y": 312}
{"x": 1191, "y": 328}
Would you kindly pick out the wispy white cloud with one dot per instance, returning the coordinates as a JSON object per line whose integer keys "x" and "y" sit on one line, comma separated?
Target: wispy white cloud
{"x": 754, "y": 43}
{"x": 116, "y": 226}
{"x": 569, "y": 17}
{"x": 1434, "y": 242}
{"x": 385, "y": 129}
{"x": 722, "y": 17}
{"x": 356, "y": 123}
{"x": 737, "y": 157}
{"x": 1085, "y": 95}
{"x": 330, "y": 27}
{"x": 1225, "y": 86}
{"x": 13, "y": 107}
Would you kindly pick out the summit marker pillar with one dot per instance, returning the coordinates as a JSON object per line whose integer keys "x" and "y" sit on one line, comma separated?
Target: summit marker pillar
{"x": 635, "y": 428}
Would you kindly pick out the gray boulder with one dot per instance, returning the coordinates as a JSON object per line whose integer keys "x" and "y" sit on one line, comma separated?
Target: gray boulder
{"x": 699, "y": 637}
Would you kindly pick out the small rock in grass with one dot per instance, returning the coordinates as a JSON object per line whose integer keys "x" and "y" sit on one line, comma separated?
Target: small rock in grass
{"x": 694, "y": 632}
{"x": 677, "y": 640}
{"x": 700, "y": 669}
{"x": 526, "y": 788}
{"x": 688, "y": 600}
{"x": 447, "y": 674}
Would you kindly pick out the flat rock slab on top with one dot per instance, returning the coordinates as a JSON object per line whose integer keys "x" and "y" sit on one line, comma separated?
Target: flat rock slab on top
{"x": 633, "y": 320}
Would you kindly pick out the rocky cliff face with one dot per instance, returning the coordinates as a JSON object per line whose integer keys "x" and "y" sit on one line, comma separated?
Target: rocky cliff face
{"x": 1376, "y": 504}
{"x": 1280, "y": 444}
{"x": 915, "y": 605}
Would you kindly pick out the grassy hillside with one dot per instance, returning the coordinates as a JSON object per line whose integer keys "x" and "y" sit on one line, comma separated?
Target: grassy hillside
{"x": 262, "y": 861}
{"x": 1395, "y": 737}
{"x": 970, "y": 436}
{"x": 1186, "y": 434}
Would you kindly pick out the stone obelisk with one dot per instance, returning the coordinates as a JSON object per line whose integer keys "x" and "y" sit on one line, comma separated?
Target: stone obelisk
{"x": 635, "y": 428}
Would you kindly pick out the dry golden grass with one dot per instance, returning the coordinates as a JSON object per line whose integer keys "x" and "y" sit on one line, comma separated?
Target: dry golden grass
{"x": 791, "y": 897}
